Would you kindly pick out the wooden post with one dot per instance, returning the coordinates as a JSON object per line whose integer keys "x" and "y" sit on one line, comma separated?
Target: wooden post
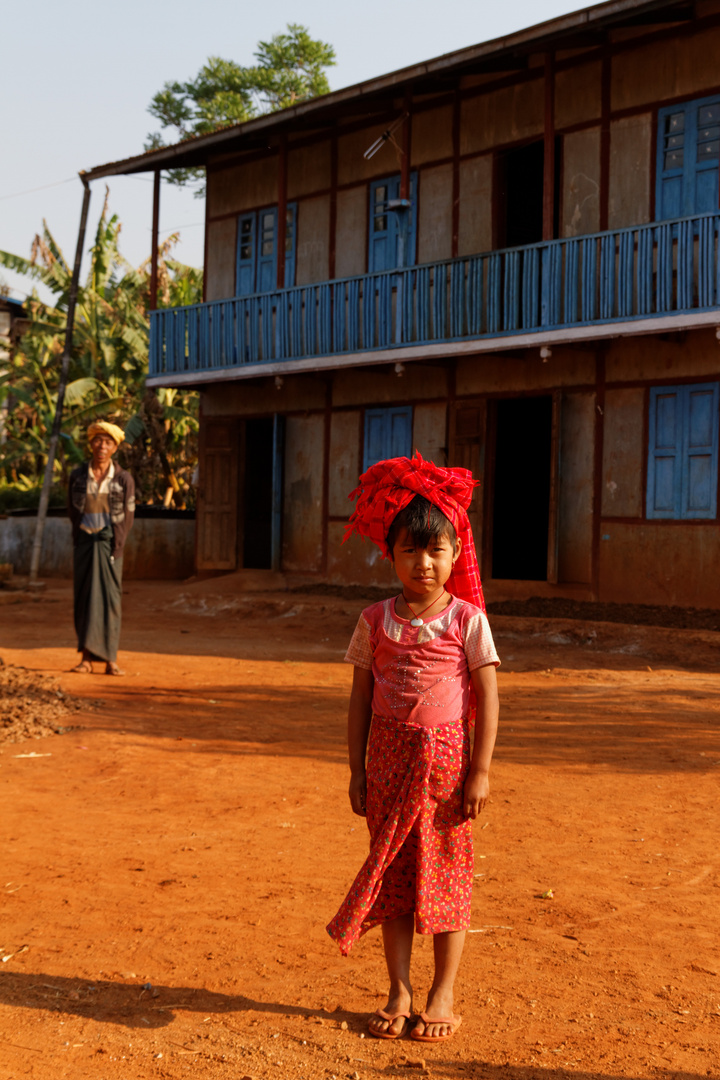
{"x": 282, "y": 212}
{"x": 456, "y": 176}
{"x": 406, "y": 150}
{"x": 549, "y": 162}
{"x": 155, "y": 241}
{"x": 605, "y": 142}
{"x": 64, "y": 371}
{"x": 333, "y": 202}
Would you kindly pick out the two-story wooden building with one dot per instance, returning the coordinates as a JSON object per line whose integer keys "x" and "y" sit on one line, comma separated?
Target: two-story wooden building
{"x": 507, "y": 258}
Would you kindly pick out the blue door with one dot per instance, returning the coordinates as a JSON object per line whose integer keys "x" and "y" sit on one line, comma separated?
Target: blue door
{"x": 256, "y": 265}
{"x": 391, "y": 231}
{"x": 688, "y": 159}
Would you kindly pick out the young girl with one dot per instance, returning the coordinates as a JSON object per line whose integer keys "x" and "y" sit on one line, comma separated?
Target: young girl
{"x": 424, "y": 662}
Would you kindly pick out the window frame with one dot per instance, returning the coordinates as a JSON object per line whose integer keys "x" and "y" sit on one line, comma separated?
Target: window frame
{"x": 390, "y": 235}
{"x": 682, "y": 454}
{"x": 257, "y": 264}
{"x": 386, "y": 415}
{"x": 691, "y": 169}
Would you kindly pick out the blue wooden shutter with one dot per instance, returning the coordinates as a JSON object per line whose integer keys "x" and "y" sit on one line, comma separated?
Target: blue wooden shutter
{"x": 384, "y": 240}
{"x": 382, "y": 244}
{"x": 688, "y": 154}
{"x": 700, "y": 457}
{"x": 388, "y": 434}
{"x": 266, "y": 250}
{"x": 663, "y": 485}
{"x": 246, "y": 253}
{"x": 290, "y": 239}
{"x": 683, "y": 452}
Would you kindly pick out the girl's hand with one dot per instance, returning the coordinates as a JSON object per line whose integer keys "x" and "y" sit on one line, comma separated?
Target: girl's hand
{"x": 358, "y": 794}
{"x": 476, "y": 794}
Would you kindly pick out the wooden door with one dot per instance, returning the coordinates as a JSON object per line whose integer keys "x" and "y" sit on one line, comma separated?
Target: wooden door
{"x": 218, "y": 496}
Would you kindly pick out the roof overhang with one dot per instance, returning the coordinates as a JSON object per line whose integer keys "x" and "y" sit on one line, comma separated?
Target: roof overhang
{"x": 580, "y": 29}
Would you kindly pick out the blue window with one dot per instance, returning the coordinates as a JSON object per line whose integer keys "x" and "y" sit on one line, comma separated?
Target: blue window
{"x": 683, "y": 452}
{"x": 391, "y": 230}
{"x": 256, "y": 265}
{"x": 388, "y": 434}
{"x": 688, "y": 154}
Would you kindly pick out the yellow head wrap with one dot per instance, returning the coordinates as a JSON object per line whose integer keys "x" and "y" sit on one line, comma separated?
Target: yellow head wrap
{"x": 102, "y": 427}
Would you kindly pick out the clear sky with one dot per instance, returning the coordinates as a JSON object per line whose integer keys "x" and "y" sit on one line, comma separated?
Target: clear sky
{"x": 77, "y": 78}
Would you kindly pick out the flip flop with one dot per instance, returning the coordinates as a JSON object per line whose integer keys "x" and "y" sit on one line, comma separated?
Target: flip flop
{"x": 389, "y": 1017}
{"x": 83, "y": 668}
{"x": 454, "y": 1022}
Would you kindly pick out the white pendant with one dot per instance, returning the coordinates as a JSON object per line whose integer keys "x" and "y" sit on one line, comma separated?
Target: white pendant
{"x": 416, "y": 621}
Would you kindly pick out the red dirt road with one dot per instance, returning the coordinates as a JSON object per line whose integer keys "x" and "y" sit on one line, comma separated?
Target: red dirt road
{"x": 168, "y": 867}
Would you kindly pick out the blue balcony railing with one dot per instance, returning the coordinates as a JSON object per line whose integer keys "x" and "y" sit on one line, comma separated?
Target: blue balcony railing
{"x": 636, "y": 273}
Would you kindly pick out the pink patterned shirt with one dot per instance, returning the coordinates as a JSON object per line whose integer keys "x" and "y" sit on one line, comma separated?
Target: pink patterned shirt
{"x": 422, "y": 674}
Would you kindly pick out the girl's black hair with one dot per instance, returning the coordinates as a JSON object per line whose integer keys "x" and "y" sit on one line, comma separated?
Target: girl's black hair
{"x": 423, "y": 521}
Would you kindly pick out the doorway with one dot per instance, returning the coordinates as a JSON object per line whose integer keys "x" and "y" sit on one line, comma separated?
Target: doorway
{"x": 257, "y": 494}
{"x": 519, "y": 181}
{"x": 521, "y": 489}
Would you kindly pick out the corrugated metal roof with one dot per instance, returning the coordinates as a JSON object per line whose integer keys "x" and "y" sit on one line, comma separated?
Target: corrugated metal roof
{"x": 379, "y": 92}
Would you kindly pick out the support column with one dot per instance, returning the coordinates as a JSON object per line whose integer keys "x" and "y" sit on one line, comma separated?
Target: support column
{"x": 406, "y": 150}
{"x": 456, "y": 176}
{"x": 605, "y": 141}
{"x": 282, "y": 212}
{"x": 549, "y": 163}
{"x": 155, "y": 241}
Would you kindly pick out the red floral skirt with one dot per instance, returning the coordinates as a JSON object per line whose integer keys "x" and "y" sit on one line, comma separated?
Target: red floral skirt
{"x": 421, "y": 856}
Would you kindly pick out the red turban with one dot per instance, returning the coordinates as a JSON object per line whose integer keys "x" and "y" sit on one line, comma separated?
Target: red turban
{"x": 387, "y": 488}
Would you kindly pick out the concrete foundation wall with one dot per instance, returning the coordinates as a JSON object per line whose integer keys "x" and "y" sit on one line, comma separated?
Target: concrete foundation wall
{"x": 155, "y": 548}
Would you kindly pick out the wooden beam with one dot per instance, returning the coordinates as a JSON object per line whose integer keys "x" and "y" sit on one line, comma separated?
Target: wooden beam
{"x": 549, "y": 162}
{"x": 406, "y": 148}
{"x": 282, "y": 212}
{"x": 155, "y": 241}
{"x": 605, "y": 89}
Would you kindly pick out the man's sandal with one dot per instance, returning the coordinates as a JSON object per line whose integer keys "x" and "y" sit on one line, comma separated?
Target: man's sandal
{"x": 113, "y": 669}
{"x": 452, "y": 1022}
{"x": 83, "y": 668}
{"x": 390, "y": 1017}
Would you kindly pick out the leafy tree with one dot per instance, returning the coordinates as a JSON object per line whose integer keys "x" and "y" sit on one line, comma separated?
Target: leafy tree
{"x": 290, "y": 68}
{"x": 108, "y": 366}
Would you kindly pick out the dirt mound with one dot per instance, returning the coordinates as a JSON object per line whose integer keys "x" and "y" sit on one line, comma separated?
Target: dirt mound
{"x": 32, "y": 706}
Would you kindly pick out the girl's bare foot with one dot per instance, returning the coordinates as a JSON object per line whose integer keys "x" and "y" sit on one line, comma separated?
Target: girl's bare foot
{"x": 390, "y": 1022}
{"x": 438, "y": 1021}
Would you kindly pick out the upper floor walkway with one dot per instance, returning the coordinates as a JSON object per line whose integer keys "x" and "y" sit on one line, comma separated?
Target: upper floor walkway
{"x": 645, "y": 279}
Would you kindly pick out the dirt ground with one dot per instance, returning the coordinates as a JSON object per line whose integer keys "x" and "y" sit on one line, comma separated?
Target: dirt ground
{"x": 170, "y": 861}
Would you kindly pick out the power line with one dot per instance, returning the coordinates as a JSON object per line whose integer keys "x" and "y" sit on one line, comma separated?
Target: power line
{"x": 31, "y": 191}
